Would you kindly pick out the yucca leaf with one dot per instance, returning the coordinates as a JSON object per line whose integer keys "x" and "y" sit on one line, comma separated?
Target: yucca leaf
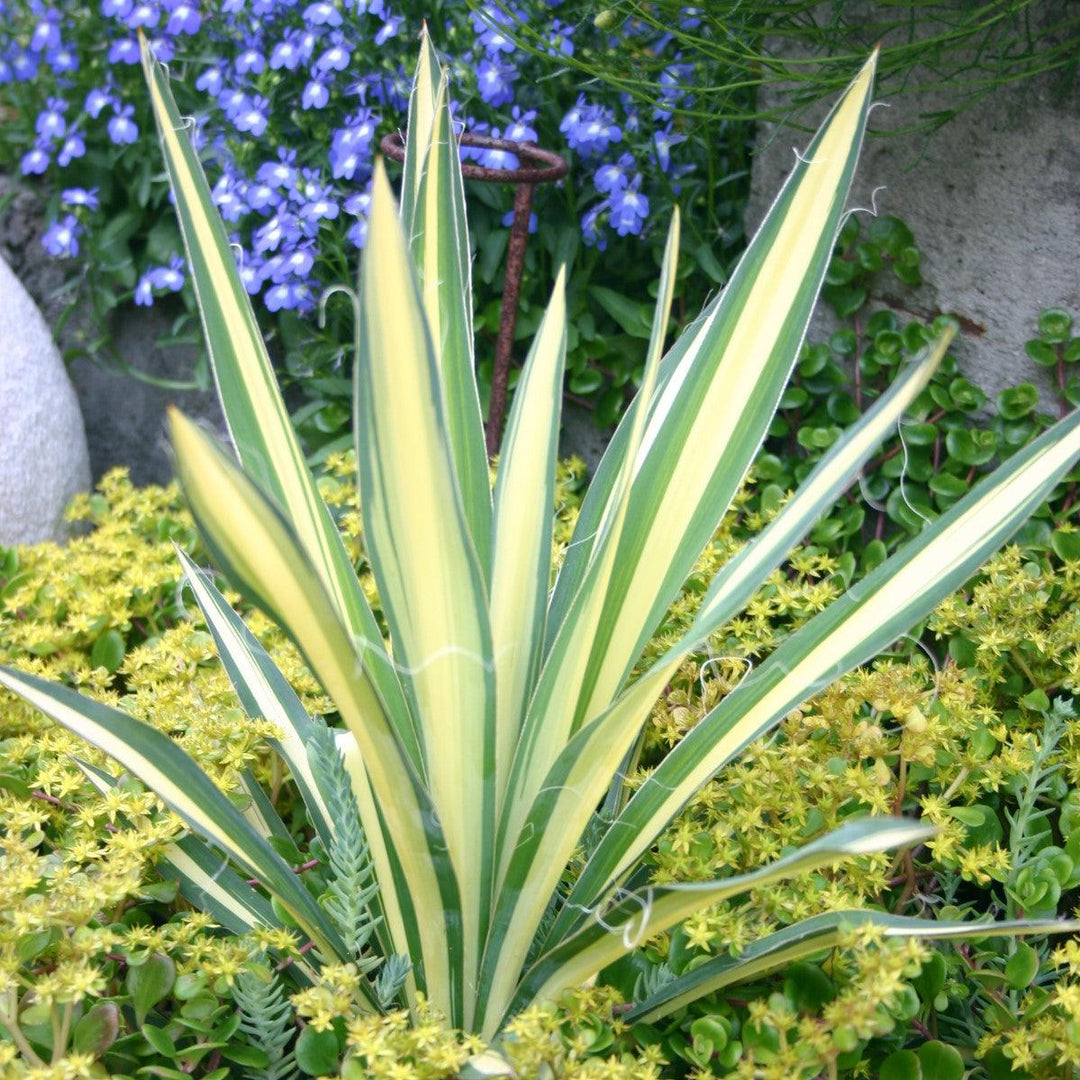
{"x": 815, "y": 935}
{"x": 524, "y": 495}
{"x": 430, "y": 581}
{"x": 744, "y": 574}
{"x": 254, "y": 410}
{"x": 564, "y": 805}
{"x": 545, "y": 731}
{"x": 609, "y": 932}
{"x": 262, "y": 556}
{"x": 549, "y": 722}
{"x": 869, "y": 616}
{"x": 711, "y": 414}
{"x": 422, "y": 108}
{"x": 171, "y": 774}
{"x": 439, "y": 238}
{"x": 261, "y": 688}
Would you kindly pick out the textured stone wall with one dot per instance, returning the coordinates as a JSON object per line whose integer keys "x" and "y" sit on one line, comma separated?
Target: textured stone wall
{"x": 993, "y": 198}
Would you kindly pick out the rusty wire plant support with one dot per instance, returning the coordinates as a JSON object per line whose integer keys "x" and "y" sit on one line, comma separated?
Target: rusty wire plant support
{"x": 546, "y": 168}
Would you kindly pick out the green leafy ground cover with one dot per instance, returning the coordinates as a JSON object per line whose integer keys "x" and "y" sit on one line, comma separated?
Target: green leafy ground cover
{"x": 968, "y": 723}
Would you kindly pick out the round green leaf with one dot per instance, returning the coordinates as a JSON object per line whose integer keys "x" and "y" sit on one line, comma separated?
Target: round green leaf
{"x": 1040, "y": 352}
{"x": 940, "y": 1062}
{"x": 971, "y": 447}
{"x": 1017, "y": 401}
{"x": 1066, "y": 545}
{"x": 317, "y": 1052}
{"x": 1055, "y": 325}
{"x": 808, "y": 986}
{"x": 97, "y": 1030}
{"x": 901, "y": 1065}
{"x": 108, "y": 651}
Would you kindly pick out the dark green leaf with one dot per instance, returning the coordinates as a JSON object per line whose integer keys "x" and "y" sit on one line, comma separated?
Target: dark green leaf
{"x": 149, "y": 983}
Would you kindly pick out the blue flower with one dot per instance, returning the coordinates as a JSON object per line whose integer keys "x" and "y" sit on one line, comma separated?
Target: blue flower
{"x": 289, "y": 295}
{"x": 495, "y": 82}
{"x": 25, "y": 66}
{"x": 283, "y": 227}
{"x": 561, "y": 44}
{"x": 315, "y": 198}
{"x": 358, "y": 203}
{"x": 253, "y": 116}
{"x": 673, "y": 82}
{"x": 293, "y": 264}
{"x": 169, "y": 277}
{"x": 96, "y": 100}
{"x": 233, "y": 101}
{"x": 144, "y": 292}
{"x": 629, "y": 209}
{"x": 614, "y": 176}
{"x": 357, "y": 234}
{"x": 50, "y": 121}
{"x": 251, "y": 272}
{"x": 125, "y": 51}
{"x": 142, "y": 14}
{"x": 496, "y": 159}
{"x": 590, "y": 129}
{"x": 184, "y": 19}
{"x": 77, "y": 196}
{"x": 663, "y": 141}
{"x": 351, "y": 145}
{"x": 46, "y": 33}
{"x": 112, "y": 9}
{"x": 388, "y": 29}
{"x": 315, "y": 95}
{"x": 260, "y": 196}
{"x": 73, "y": 147}
{"x": 250, "y": 61}
{"x": 322, "y": 13}
{"x": 62, "y": 60}
{"x": 61, "y": 239}
{"x": 281, "y": 173}
{"x": 521, "y": 130}
{"x": 35, "y": 161}
{"x": 590, "y": 226}
{"x": 122, "y": 129}
{"x": 335, "y": 58}
{"x": 210, "y": 81}
{"x": 227, "y": 199}
{"x": 489, "y": 34}
{"x": 286, "y": 52}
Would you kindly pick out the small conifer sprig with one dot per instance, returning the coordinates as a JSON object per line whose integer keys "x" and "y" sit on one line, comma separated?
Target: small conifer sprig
{"x": 352, "y": 885}
{"x": 266, "y": 1022}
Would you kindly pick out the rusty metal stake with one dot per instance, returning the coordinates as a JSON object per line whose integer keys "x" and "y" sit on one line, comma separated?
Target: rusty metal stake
{"x": 549, "y": 167}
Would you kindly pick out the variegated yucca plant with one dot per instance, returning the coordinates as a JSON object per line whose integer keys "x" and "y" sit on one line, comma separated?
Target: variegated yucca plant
{"x": 478, "y": 748}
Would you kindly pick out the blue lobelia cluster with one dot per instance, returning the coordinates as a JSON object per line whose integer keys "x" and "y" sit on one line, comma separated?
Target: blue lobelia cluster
{"x": 287, "y": 100}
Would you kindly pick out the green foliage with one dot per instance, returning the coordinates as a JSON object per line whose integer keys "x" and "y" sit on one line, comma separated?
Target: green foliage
{"x": 964, "y": 53}
{"x": 352, "y": 886}
{"x": 266, "y": 1021}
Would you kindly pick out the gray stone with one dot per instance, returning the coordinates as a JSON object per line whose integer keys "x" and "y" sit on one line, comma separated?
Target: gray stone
{"x": 581, "y": 436}
{"x": 43, "y": 456}
{"x": 124, "y": 416}
{"x": 993, "y": 199}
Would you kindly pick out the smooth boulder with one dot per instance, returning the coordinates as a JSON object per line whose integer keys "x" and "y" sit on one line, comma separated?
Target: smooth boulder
{"x": 43, "y": 455}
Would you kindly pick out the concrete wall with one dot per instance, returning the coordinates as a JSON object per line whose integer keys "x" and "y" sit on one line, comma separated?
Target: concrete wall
{"x": 994, "y": 201}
